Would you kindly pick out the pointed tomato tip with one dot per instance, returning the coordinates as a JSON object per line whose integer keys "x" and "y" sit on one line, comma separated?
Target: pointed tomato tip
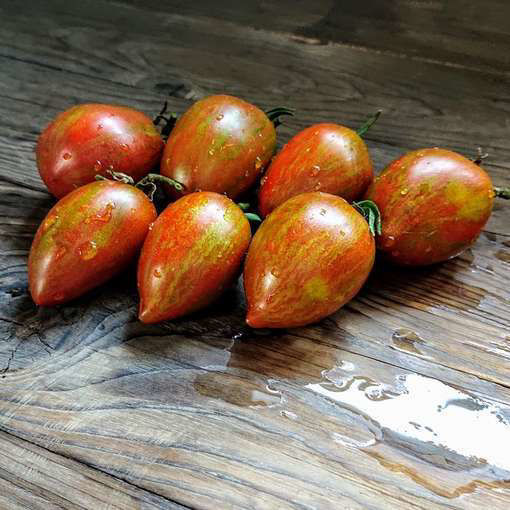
{"x": 254, "y": 320}
{"x": 146, "y": 315}
{"x": 42, "y": 298}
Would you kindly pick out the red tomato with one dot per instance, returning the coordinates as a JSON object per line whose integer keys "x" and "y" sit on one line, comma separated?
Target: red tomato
{"x": 221, "y": 144}
{"x": 308, "y": 258}
{"x": 191, "y": 255}
{"x": 91, "y": 139}
{"x": 433, "y": 203}
{"x": 325, "y": 157}
{"x": 87, "y": 237}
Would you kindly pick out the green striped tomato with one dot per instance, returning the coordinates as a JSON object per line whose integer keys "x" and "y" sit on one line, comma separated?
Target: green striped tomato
{"x": 433, "y": 204}
{"x": 87, "y": 237}
{"x": 91, "y": 139}
{"x": 220, "y": 144}
{"x": 308, "y": 258}
{"x": 191, "y": 255}
{"x": 323, "y": 157}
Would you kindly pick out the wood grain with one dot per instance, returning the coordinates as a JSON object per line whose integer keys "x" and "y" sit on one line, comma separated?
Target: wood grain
{"x": 355, "y": 412}
{"x": 32, "y": 477}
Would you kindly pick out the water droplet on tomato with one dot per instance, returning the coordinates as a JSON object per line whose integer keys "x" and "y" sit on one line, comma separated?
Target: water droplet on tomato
{"x": 98, "y": 165}
{"x": 67, "y": 155}
{"x": 275, "y": 272}
{"x": 133, "y": 210}
{"x": 219, "y": 116}
{"x": 247, "y": 173}
{"x": 211, "y": 152}
{"x": 258, "y": 162}
{"x": 316, "y": 132}
{"x": 105, "y": 215}
{"x": 315, "y": 170}
{"x": 317, "y": 187}
{"x": 308, "y": 149}
{"x": 323, "y": 212}
{"x": 87, "y": 250}
{"x": 151, "y": 226}
{"x": 404, "y": 191}
{"x": 428, "y": 249}
{"x": 124, "y": 146}
{"x": 157, "y": 273}
{"x": 263, "y": 180}
{"x": 61, "y": 251}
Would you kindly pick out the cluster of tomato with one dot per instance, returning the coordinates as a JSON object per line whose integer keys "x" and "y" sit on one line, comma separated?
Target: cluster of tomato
{"x": 311, "y": 254}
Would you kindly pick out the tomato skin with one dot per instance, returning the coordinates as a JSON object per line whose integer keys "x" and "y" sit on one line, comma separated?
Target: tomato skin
{"x": 87, "y": 237}
{"x": 308, "y": 258}
{"x": 193, "y": 253}
{"x": 90, "y": 139}
{"x": 433, "y": 203}
{"x": 220, "y": 144}
{"x": 323, "y": 157}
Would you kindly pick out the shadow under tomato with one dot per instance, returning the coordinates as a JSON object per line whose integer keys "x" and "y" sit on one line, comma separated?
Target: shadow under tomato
{"x": 440, "y": 284}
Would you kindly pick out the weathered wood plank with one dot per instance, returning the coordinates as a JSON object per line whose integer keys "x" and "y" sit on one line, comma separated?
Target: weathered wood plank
{"x": 198, "y": 410}
{"x": 458, "y": 33}
{"x": 35, "y": 478}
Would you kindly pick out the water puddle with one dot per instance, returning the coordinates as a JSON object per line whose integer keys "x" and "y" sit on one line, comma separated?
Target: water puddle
{"x": 446, "y": 440}
{"x": 225, "y": 387}
{"x": 407, "y": 341}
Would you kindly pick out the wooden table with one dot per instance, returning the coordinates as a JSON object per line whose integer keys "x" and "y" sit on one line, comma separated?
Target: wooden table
{"x": 400, "y": 400}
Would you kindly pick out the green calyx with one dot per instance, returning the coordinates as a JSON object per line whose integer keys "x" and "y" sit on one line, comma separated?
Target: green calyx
{"x": 502, "y": 193}
{"x": 275, "y": 114}
{"x": 369, "y": 123}
{"x": 149, "y": 181}
{"x": 252, "y": 216}
{"x": 116, "y": 176}
{"x": 244, "y": 206}
{"x": 371, "y": 213}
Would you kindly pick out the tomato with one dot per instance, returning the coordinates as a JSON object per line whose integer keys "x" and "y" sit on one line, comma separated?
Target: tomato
{"x": 91, "y": 139}
{"x": 221, "y": 144}
{"x": 87, "y": 237}
{"x": 308, "y": 258}
{"x": 325, "y": 157}
{"x": 193, "y": 253}
{"x": 433, "y": 204}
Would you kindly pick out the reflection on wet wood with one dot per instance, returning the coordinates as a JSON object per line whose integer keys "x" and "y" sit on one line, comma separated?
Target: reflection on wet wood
{"x": 399, "y": 400}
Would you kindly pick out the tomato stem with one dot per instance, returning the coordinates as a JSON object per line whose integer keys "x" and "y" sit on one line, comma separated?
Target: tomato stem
{"x": 369, "y": 123}
{"x": 116, "y": 176}
{"x": 275, "y": 113}
{"x": 371, "y": 213}
{"x": 150, "y": 181}
{"x": 480, "y": 157}
{"x": 502, "y": 193}
{"x": 169, "y": 121}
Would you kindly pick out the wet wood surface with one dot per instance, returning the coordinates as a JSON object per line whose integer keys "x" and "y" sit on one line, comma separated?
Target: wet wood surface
{"x": 399, "y": 400}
